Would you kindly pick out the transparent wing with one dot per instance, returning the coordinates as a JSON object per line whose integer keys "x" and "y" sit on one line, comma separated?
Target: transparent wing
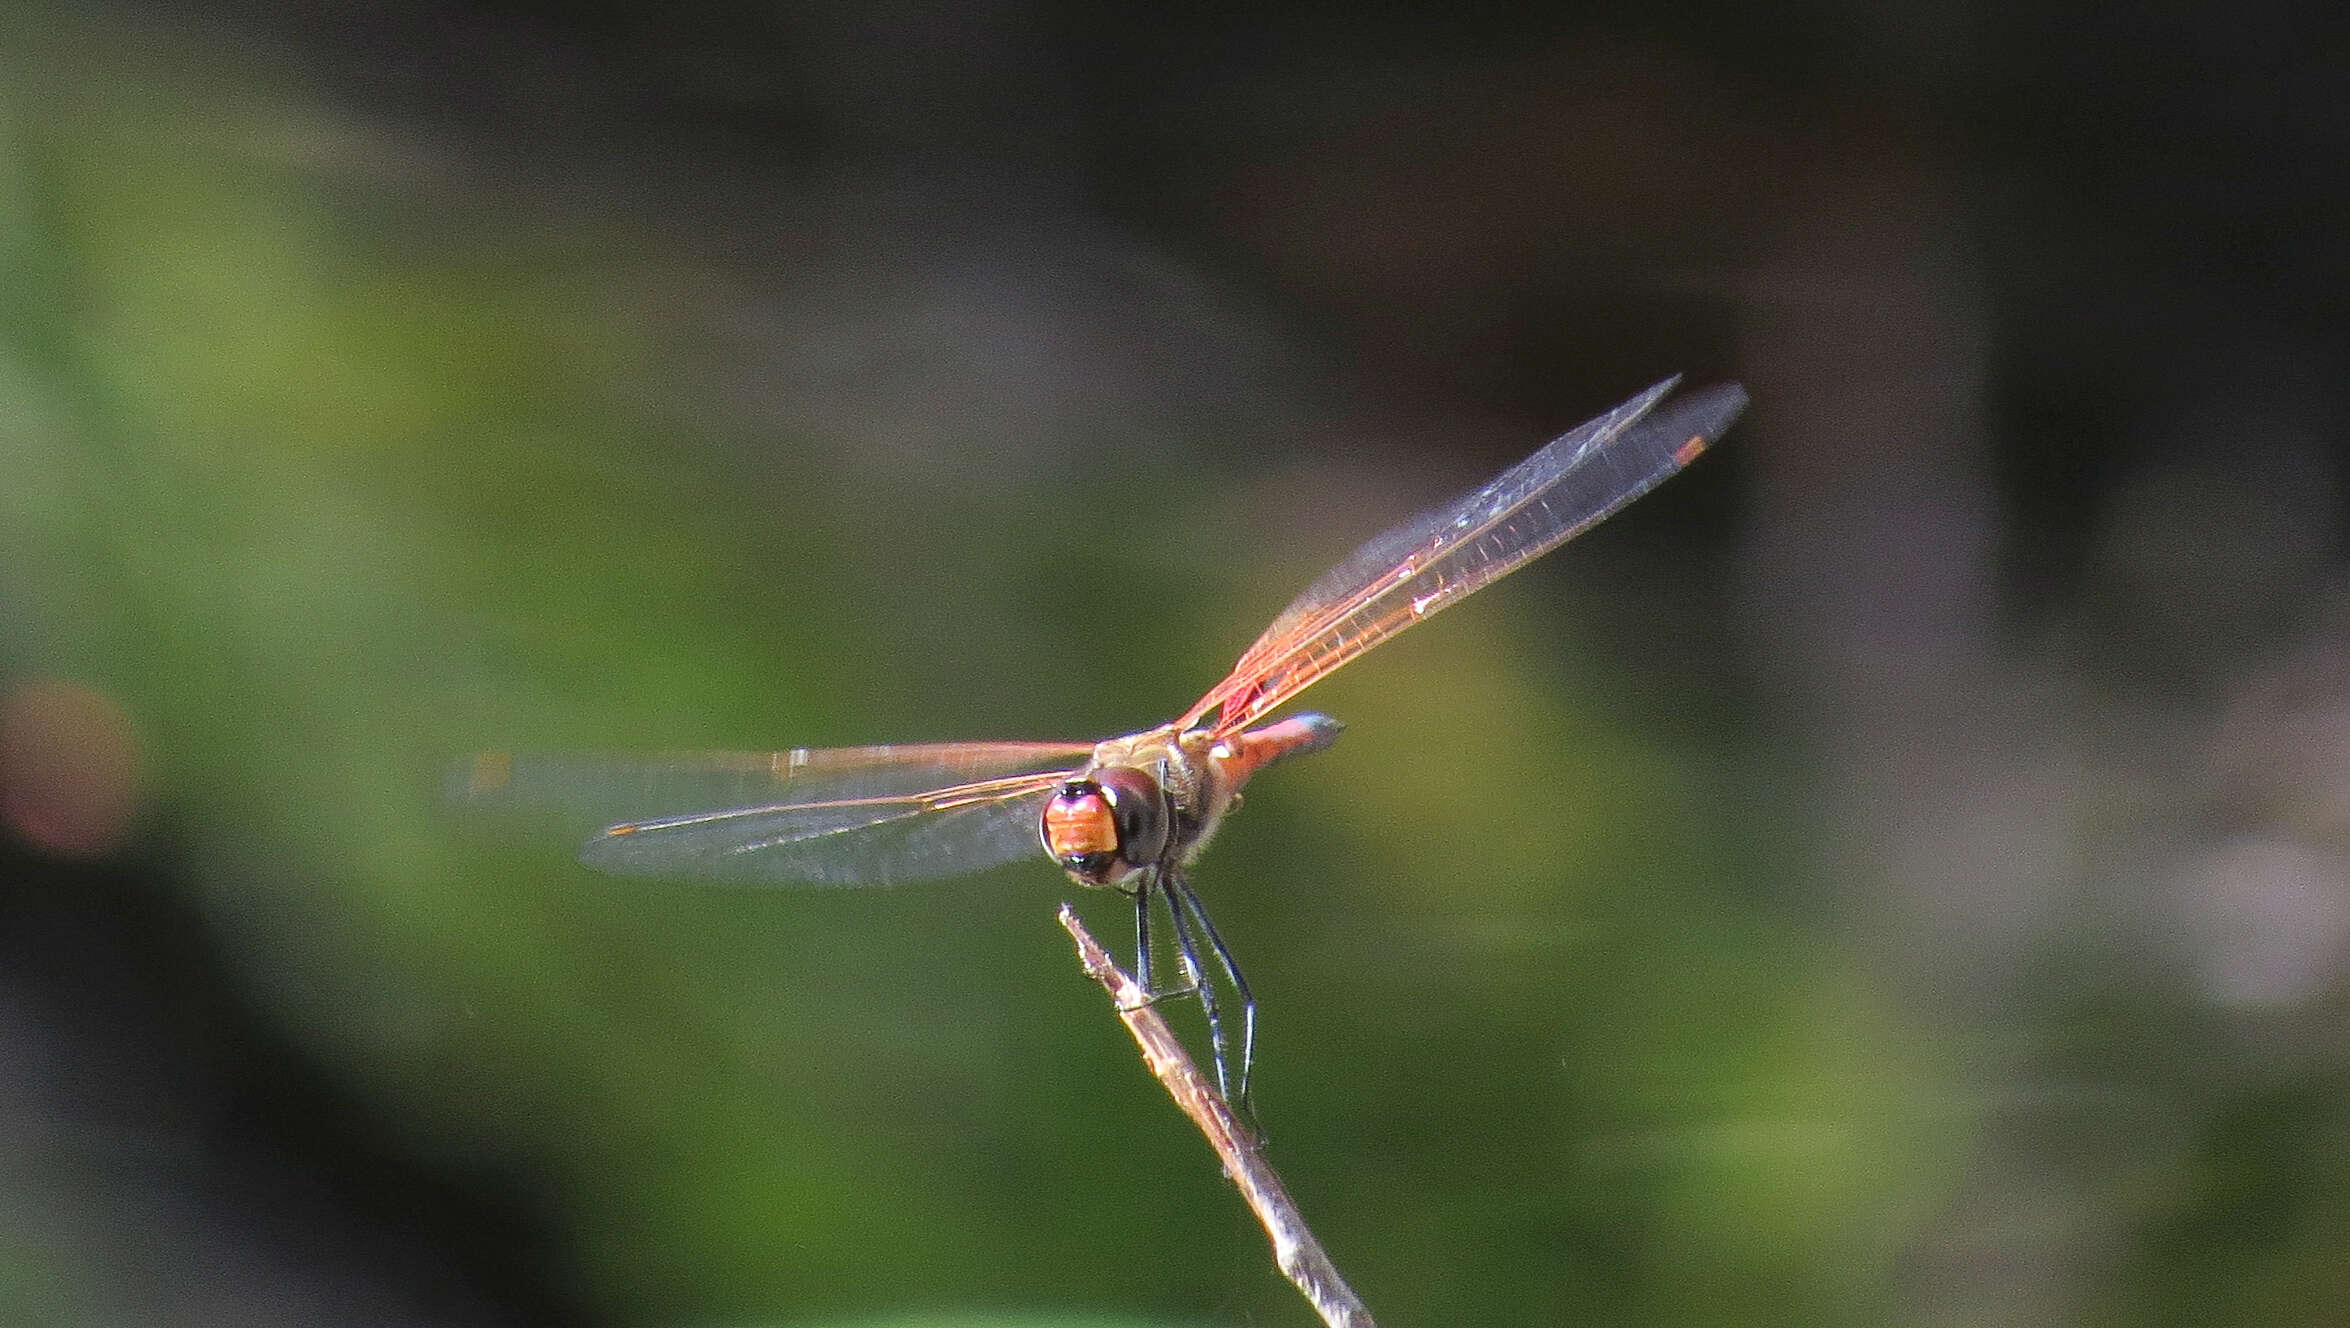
{"x": 1439, "y": 558}
{"x": 841, "y": 816}
{"x": 864, "y": 841}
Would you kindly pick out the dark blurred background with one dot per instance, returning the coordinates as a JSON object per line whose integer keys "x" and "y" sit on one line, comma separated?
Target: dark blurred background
{"x": 1897, "y": 873}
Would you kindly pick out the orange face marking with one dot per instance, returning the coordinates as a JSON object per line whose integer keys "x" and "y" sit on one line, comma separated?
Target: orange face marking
{"x": 1689, "y": 451}
{"x": 1076, "y": 824}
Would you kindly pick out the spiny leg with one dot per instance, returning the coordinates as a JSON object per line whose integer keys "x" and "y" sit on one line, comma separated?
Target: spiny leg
{"x": 1142, "y": 935}
{"x": 1181, "y": 898}
{"x": 1187, "y": 953}
{"x": 1144, "y": 895}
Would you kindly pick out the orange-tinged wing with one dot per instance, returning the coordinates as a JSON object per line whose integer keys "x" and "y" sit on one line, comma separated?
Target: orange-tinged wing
{"x": 1439, "y": 558}
{"x": 839, "y": 816}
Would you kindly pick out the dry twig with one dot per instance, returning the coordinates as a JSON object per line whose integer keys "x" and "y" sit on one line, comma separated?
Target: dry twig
{"x": 1300, "y": 1257}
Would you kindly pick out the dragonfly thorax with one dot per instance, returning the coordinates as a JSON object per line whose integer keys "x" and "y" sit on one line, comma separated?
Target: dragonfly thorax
{"x": 1108, "y": 825}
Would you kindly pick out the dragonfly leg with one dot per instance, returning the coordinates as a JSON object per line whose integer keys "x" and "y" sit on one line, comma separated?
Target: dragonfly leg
{"x": 1181, "y": 898}
{"x": 1144, "y": 895}
{"x": 1142, "y": 935}
{"x": 1187, "y": 952}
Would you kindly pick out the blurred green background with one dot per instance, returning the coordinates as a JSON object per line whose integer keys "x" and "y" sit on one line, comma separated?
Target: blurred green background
{"x": 1894, "y": 874}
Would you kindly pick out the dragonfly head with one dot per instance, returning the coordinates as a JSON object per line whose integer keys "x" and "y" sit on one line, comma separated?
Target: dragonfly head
{"x": 1107, "y": 826}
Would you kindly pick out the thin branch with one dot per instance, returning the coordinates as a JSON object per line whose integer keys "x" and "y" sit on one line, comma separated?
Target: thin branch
{"x": 1300, "y": 1257}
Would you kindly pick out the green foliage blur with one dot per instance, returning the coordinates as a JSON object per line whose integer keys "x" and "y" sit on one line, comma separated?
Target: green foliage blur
{"x": 334, "y": 460}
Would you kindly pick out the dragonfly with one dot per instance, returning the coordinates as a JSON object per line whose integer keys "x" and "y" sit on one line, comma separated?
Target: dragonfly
{"x": 1128, "y": 814}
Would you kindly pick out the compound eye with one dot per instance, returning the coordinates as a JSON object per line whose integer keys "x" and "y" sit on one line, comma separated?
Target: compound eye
{"x": 1139, "y": 807}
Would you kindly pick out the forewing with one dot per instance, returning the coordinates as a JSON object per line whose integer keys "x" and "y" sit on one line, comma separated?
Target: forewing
{"x": 871, "y": 841}
{"x": 1440, "y": 557}
{"x": 836, "y": 816}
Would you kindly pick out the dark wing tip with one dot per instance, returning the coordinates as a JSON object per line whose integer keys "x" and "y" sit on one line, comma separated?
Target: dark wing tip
{"x": 1711, "y": 410}
{"x": 1699, "y": 419}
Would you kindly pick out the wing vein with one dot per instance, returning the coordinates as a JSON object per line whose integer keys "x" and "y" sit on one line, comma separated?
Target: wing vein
{"x": 1425, "y": 565}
